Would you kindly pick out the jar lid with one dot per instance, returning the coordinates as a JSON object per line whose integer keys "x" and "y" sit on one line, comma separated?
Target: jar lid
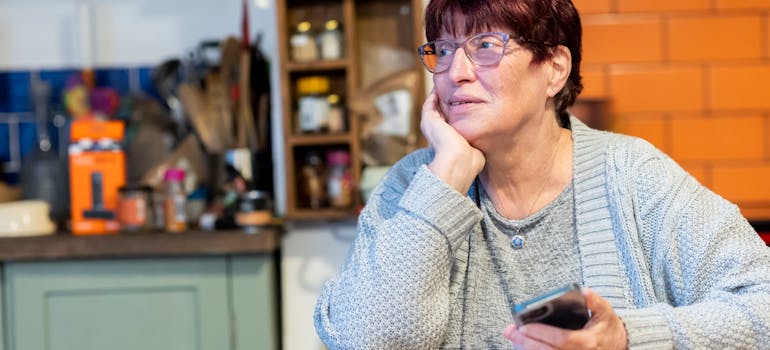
{"x": 338, "y": 157}
{"x": 303, "y": 26}
{"x": 332, "y": 24}
{"x": 174, "y": 174}
{"x": 312, "y": 85}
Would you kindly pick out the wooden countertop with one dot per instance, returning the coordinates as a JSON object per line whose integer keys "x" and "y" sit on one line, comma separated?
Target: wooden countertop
{"x": 68, "y": 246}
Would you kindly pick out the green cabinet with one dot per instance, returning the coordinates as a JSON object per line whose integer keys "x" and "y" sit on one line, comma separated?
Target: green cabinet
{"x": 191, "y": 303}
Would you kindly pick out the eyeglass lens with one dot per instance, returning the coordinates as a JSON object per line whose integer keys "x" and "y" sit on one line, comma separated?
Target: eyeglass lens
{"x": 483, "y": 49}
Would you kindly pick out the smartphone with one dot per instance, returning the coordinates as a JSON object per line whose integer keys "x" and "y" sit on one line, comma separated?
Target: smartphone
{"x": 564, "y": 307}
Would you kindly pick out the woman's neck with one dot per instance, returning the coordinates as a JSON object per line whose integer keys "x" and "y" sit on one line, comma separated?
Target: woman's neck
{"x": 530, "y": 173}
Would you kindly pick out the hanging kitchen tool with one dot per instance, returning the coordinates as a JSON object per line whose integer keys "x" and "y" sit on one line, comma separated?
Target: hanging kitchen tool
{"x": 230, "y": 73}
{"x": 259, "y": 87}
{"x": 43, "y": 175}
{"x": 246, "y": 133}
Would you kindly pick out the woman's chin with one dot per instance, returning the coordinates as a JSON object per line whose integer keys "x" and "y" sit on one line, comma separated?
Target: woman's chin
{"x": 466, "y": 127}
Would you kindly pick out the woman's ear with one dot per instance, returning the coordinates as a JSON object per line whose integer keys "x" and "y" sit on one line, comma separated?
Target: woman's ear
{"x": 561, "y": 66}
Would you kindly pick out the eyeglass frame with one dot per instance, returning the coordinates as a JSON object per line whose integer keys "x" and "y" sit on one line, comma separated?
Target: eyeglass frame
{"x": 506, "y": 37}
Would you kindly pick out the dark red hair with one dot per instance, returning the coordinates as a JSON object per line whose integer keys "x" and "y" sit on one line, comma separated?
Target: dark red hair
{"x": 552, "y": 21}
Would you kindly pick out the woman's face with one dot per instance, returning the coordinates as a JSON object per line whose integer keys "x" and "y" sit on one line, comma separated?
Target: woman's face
{"x": 489, "y": 103}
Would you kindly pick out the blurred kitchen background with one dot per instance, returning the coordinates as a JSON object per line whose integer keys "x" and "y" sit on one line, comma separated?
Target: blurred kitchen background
{"x": 270, "y": 185}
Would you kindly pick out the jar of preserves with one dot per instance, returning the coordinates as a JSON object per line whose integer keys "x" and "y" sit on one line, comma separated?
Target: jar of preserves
{"x": 134, "y": 208}
{"x": 330, "y": 40}
{"x": 303, "y": 44}
{"x": 336, "y": 116}
{"x": 340, "y": 179}
{"x": 313, "y": 104}
{"x": 312, "y": 186}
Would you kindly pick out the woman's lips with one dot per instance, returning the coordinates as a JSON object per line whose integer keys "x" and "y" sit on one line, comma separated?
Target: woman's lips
{"x": 462, "y": 104}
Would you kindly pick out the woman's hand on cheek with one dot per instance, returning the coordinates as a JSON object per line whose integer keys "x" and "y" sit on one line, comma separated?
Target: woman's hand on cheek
{"x": 456, "y": 162}
{"x": 605, "y": 330}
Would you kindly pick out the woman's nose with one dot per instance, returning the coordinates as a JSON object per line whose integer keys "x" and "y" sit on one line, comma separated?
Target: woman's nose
{"x": 461, "y": 68}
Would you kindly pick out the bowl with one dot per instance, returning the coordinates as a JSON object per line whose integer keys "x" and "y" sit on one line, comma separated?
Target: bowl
{"x": 25, "y": 218}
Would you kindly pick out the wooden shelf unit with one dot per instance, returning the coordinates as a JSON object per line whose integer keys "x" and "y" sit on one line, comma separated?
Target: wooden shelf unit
{"x": 359, "y": 20}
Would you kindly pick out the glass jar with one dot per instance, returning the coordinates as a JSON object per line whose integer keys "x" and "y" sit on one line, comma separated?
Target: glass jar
{"x": 340, "y": 179}
{"x": 254, "y": 210}
{"x": 313, "y": 104}
{"x": 134, "y": 208}
{"x": 330, "y": 41}
{"x": 336, "y": 116}
{"x": 175, "y": 201}
{"x": 303, "y": 44}
{"x": 312, "y": 187}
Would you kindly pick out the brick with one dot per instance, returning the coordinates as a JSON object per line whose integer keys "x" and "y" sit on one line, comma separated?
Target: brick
{"x": 594, "y": 83}
{"x": 739, "y": 87}
{"x": 657, "y": 89}
{"x": 740, "y": 184}
{"x": 716, "y": 139}
{"x": 662, "y": 5}
{"x": 755, "y": 211}
{"x": 767, "y": 139}
{"x": 592, "y": 6}
{"x": 715, "y": 38}
{"x": 653, "y": 129}
{"x": 742, "y": 4}
{"x": 622, "y": 39}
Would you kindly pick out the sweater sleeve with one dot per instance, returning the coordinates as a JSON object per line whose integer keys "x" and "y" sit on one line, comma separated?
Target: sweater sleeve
{"x": 710, "y": 270}
{"x": 393, "y": 289}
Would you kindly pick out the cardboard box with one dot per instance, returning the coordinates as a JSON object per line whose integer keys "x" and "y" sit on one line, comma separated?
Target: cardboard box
{"x": 97, "y": 169}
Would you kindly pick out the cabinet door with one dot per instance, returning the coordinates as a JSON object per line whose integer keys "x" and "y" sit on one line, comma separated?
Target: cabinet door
{"x": 118, "y": 304}
{"x": 254, "y": 282}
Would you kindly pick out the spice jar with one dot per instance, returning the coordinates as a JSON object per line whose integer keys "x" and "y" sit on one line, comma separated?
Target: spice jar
{"x": 313, "y": 104}
{"x": 330, "y": 41}
{"x": 336, "y": 116}
{"x": 175, "y": 201}
{"x": 340, "y": 180}
{"x": 254, "y": 210}
{"x": 312, "y": 187}
{"x": 134, "y": 208}
{"x": 303, "y": 44}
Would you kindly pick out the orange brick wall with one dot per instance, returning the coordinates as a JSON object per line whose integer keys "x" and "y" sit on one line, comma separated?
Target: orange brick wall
{"x": 693, "y": 78}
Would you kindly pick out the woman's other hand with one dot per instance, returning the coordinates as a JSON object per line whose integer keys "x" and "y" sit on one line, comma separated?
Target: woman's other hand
{"x": 456, "y": 162}
{"x": 605, "y": 330}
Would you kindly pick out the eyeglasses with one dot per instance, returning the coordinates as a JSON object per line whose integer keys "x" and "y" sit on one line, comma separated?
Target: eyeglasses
{"x": 483, "y": 49}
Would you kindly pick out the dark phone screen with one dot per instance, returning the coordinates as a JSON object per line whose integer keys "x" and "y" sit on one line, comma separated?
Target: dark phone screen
{"x": 564, "y": 310}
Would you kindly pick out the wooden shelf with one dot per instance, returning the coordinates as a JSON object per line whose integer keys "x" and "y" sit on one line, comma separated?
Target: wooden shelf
{"x": 319, "y": 139}
{"x": 385, "y": 27}
{"x": 316, "y": 66}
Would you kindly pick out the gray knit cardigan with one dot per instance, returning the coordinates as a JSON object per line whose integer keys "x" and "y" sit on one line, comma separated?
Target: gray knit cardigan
{"x": 678, "y": 263}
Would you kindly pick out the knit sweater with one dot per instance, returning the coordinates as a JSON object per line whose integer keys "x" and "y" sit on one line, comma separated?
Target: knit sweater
{"x": 678, "y": 263}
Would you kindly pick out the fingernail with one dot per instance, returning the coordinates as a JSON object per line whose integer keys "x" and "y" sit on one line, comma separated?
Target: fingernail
{"x": 509, "y": 330}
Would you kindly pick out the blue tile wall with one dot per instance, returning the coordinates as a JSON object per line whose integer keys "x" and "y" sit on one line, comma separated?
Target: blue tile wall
{"x": 16, "y": 104}
{"x": 58, "y": 81}
{"x": 14, "y": 92}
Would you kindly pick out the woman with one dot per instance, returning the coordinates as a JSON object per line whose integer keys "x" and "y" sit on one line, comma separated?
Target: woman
{"x": 515, "y": 198}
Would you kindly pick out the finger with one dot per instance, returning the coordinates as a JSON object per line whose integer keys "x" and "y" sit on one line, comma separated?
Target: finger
{"x": 599, "y": 306}
{"x": 553, "y": 336}
{"x": 509, "y": 331}
{"x": 522, "y": 340}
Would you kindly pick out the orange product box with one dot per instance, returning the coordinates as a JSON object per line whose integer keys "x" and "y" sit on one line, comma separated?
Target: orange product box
{"x": 97, "y": 169}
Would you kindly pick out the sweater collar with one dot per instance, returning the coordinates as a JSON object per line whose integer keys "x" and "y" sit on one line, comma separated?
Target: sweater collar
{"x": 593, "y": 220}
